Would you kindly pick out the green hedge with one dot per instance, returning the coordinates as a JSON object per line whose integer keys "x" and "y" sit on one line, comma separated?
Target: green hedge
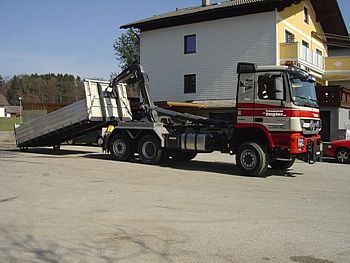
{"x": 6, "y": 124}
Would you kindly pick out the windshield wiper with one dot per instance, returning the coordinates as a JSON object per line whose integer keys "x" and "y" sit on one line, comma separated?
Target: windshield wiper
{"x": 316, "y": 101}
{"x": 304, "y": 98}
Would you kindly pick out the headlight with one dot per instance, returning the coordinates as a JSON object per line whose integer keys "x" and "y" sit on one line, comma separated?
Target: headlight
{"x": 301, "y": 143}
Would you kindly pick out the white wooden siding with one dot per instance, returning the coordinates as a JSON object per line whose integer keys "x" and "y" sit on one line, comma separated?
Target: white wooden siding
{"x": 220, "y": 45}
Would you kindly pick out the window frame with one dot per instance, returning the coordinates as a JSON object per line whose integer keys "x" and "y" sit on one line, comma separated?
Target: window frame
{"x": 260, "y": 95}
{"x": 306, "y": 15}
{"x": 286, "y": 33}
{"x": 307, "y": 43}
{"x": 186, "y": 51}
{"x": 187, "y": 88}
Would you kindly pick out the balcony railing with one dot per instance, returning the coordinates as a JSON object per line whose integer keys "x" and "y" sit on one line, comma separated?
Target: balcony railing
{"x": 302, "y": 54}
{"x": 312, "y": 57}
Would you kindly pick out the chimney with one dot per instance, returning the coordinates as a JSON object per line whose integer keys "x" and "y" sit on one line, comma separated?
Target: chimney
{"x": 205, "y": 2}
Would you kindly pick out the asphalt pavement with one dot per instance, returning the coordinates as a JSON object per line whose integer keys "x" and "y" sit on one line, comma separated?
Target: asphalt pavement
{"x": 78, "y": 205}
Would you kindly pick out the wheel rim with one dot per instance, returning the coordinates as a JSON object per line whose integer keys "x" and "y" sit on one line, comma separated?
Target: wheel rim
{"x": 343, "y": 156}
{"x": 119, "y": 147}
{"x": 149, "y": 150}
{"x": 248, "y": 159}
{"x": 99, "y": 141}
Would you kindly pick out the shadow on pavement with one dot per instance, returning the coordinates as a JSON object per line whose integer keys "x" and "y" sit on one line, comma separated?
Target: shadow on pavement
{"x": 201, "y": 166}
{"x": 118, "y": 245}
{"x": 48, "y": 151}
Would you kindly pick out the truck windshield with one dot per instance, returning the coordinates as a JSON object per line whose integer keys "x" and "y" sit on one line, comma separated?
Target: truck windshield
{"x": 303, "y": 92}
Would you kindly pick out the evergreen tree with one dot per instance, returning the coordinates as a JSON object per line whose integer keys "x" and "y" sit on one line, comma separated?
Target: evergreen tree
{"x": 127, "y": 49}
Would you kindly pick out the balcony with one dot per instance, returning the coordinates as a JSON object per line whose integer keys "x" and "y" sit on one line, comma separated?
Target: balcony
{"x": 338, "y": 68}
{"x": 333, "y": 96}
{"x": 302, "y": 55}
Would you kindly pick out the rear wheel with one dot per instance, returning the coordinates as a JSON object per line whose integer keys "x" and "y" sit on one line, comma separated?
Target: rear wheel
{"x": 252, "y": 159}
{"x": 343, "y": 155}
{"x": 182, "y": 156}
{"x": 149, "y": 149}
{"x": 120, "y": 147}
{"x": 282, "y": 165}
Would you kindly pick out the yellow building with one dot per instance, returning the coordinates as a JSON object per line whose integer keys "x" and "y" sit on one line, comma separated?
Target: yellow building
{"x": 308, "y": 32}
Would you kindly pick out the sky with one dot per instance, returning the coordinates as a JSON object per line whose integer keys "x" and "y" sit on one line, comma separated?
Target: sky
{"x": 75, "y": 36}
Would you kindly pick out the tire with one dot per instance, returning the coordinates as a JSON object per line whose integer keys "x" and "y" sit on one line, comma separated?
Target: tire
{"x": 342, "y": 155}
{"x": 56, "y": 147}
{"x": 99, "y": 141}
{"x": 252, "y": 159}
{"x": 120, "y": 147}
{"x": 282, "y": 165}
{"x": 150, "y": 151}
{"x": 182, "y": 156}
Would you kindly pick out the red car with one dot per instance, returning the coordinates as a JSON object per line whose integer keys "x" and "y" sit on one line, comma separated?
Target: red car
{"x": 339, "y": 150}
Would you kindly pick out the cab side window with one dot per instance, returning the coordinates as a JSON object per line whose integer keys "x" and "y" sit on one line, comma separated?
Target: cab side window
{"x": 270, "y": 87}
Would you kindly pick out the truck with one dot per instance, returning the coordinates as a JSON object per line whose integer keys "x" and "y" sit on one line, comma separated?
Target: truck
{"x": 276, "y": 121}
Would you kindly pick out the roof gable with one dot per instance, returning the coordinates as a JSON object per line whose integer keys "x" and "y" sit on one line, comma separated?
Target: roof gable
{"x": 3, "y": 101}
{"x": 327, "y": 12}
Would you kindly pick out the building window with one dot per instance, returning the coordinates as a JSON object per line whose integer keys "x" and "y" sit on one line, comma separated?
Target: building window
{"x": 290, "y": 37}
{"x": 318, "y": 52}
{"x": 305, "y": 44}
{"x": 190, "y": 83}
{"x": 190, "y": 44}
{"x": 306, "y": 15}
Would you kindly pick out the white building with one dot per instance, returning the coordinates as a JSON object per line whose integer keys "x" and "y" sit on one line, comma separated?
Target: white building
{"x": 191, "y": 54}
{"x": 3, "y": 104}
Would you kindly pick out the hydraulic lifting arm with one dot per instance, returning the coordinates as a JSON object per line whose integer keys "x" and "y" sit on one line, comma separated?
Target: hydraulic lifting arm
{"x": 135, "y": 75}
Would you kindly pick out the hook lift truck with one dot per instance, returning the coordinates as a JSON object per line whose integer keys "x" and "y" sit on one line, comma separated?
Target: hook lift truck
{"x": 277, "y": 120}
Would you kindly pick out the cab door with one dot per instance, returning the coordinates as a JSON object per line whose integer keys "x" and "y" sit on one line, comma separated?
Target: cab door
{"x": 245, "y": 98}
{"x": 269, "y": 101}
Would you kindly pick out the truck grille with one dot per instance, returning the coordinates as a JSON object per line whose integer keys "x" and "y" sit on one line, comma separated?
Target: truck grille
{"x": 310, "y": 126}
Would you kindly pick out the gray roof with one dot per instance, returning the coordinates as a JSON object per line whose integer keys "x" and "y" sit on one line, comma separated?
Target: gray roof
{"x": 13, "y": 109}
{"x": 3, "y": 101}
{"x": 195, "y": 10}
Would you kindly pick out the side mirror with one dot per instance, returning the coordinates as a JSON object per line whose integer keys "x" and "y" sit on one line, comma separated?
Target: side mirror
{"x": 279, "y": 89}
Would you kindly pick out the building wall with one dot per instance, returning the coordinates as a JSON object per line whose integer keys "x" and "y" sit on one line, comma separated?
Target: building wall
{"x": 220, "y": 45}
{"x": 339, "y": 122}
{"x": 339, "y": 52}
{"x": 292, "y": 19}
{"x": 345, "y": 83}
{"x": 344, "y": 119}
{"x": 2, "y": 112}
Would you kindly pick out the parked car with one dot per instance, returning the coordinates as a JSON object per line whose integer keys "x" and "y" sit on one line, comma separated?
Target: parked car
{"x": 340, "y": 150}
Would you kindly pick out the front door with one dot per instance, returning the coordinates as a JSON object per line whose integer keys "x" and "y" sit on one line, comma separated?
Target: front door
{"x": 269, "y": 99}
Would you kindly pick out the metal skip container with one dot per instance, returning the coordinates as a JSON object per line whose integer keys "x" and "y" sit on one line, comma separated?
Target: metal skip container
{"x": 100, "y": 106}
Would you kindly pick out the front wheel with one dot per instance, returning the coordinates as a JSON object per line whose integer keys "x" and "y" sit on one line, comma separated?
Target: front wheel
{"x": 149, "y": 149}
{"x": 343, "y": 155}
{"x": 282, "y": 165}
{"x": 252, "y": 159}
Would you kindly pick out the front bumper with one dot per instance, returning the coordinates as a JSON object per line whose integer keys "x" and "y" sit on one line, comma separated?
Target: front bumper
{"x": 313, "y": 154}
